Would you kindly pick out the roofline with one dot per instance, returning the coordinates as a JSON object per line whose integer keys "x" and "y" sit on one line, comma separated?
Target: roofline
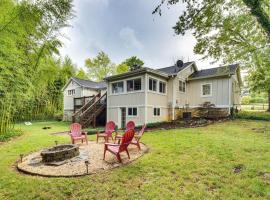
{"x": 213, "y": 76}
{"x": 193, "y": 62}
{"x": 72, "y": 78}
{"x": 136, "y": 72}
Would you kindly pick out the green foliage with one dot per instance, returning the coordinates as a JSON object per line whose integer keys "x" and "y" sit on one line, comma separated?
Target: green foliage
{"x": 81, "y": 74}
{"x": 133, "y": 63}
{"x": 253, "y": 115}
{"x": 122, "y": 68}
{"x": 245, "y": 100}
{"x": 29, "y": 74}
{"x": 10, "y": 134}
{"x": 99, "y": 67}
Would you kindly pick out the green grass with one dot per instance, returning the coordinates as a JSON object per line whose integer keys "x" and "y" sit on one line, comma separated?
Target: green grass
{"x": 254, "y": 115}
{"x": 195, "y": 163}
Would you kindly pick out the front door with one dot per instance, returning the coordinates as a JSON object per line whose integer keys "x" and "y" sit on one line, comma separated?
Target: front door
{"x": 123, "y": 117}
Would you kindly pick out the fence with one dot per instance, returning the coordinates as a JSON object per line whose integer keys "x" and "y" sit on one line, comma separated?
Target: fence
{"x": 255, "y": 106}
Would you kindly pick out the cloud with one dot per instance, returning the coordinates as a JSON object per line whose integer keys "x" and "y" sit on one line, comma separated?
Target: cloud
{"x": 129, "y": 38}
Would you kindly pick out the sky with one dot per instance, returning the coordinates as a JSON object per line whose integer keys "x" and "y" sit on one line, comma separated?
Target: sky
{"x": 125, "y": 28}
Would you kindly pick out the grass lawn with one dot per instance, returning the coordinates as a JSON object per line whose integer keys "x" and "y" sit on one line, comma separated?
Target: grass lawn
{"x": 182, "y": 164}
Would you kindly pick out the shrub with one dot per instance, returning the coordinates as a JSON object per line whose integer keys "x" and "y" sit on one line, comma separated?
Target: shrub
{"x": 245, "y": 100}
{"x": 10, "y": 134}
{"x": 253, "y": 115}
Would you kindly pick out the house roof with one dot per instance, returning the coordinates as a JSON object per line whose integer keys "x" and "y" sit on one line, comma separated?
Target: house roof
{"x": 173, "y": 70}
{"x": 137, "y": 72}
{"x": 87, "y": 83}
{"x": 215, "y": 72}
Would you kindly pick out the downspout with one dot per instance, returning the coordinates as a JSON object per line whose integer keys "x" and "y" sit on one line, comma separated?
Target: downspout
{"x": 173, "y": 99}
{"x": 145, "y": 98}
{"x": 230, "y": 93}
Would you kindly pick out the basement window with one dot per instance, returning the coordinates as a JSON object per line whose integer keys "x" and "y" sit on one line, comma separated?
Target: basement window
{"x": 156, "y": 111}
{"x": 132, "y": 112}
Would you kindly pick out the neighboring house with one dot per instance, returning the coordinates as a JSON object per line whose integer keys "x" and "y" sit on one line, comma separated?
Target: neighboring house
{"x": 154, "y": 95}
{"x": 78, "y": 92}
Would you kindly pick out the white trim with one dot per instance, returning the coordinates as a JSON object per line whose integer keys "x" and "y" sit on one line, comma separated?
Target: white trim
{"x": 173, "y": 99}
{"x": 211, "y": 90}
{"x": 230, "y": 93}
{"x": 126, "y": 93}
{"x": 158, "y": 80}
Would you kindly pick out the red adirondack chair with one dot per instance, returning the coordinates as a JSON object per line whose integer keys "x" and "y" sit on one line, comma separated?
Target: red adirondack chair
{"x": 137, "y": 137}
{"x": 129, "y": 125}
{"x": 116, "y": 149}
{"x": 77, "y": 134}
{"x": 109, "y": 129}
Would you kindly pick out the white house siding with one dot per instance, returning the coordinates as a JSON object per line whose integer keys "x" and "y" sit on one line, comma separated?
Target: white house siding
{"x": 126, "y": 100}
{"x": 220, "y": 92}
{"x": 89, "y": 92}
{"x": 181, "y": 98}
{"x": 236, "y": 91}
{"x": 68, "y": 100}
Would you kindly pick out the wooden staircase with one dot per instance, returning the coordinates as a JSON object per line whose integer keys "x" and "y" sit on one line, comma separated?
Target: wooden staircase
{"x": 87, "y": 115}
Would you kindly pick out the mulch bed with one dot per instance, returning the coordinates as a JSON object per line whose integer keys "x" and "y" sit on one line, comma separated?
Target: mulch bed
{"x": 193, "y": 123}
{"x": 93, "y": 153}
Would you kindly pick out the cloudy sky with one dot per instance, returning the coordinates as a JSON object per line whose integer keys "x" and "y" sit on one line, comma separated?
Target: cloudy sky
{"x": 125, "y": 28}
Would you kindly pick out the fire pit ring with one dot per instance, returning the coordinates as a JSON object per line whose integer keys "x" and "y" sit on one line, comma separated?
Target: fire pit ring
{"x": 59, "y": 153}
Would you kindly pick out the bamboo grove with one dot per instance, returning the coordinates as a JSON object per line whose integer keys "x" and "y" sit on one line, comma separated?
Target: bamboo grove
{"x": 31, "y": 73}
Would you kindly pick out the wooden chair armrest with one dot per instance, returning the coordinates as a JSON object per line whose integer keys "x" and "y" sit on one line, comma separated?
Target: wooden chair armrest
{"x": 84, "y": 132}
{"x": 111, "y": 144}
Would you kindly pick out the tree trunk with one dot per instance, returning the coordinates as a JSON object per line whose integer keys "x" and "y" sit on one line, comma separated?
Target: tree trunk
{"x": 268, "y": 110}
{"x": 257, "y": 11}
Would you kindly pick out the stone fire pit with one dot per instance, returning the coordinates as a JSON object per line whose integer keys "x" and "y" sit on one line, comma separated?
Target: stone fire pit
{"x": 59, "y": 153}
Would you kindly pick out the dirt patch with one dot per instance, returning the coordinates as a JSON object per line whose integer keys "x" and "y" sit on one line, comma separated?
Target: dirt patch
{"x": 93, "y": 153}
{"x": 261, "y": 129}
{"x": 266, "y": 176}
{"x": 238, "y": 168}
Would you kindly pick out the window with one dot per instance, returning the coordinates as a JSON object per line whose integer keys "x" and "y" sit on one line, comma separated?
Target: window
{"x": 156, "y": 111}
{"x": 132, "y": 111}
{"x": 117, "y": 87}
{"x": 71, "y": 92}
{"x": 206, "y": 89}
{"x": 152, "y": 84}
{"x": 162, "y": 87}
{"x": 134, "y": 85}
{"x": 182, "y": 86}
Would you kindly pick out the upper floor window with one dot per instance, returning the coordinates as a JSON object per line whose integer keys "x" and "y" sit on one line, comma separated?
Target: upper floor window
{"x": 132, "y": 112}
{"x": 182, "y": 86}
{"x": 134, "y": 85}
{"x": 207, "y": 89}
{"x": 71, "y": 92}
{"x": 152, "y": 84}
{"x": 162, "y": 87}
{"x": 118, "y": 87}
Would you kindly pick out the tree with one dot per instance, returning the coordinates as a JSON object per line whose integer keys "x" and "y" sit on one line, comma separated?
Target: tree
{"x": 231, "y": 31}
{"x": 133, "y": 63}
{"x": 99, "y": 67}
{"x": 122, "y": 68}
{"x": 29, "y": 37}
{"x": 81, "y": 74}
